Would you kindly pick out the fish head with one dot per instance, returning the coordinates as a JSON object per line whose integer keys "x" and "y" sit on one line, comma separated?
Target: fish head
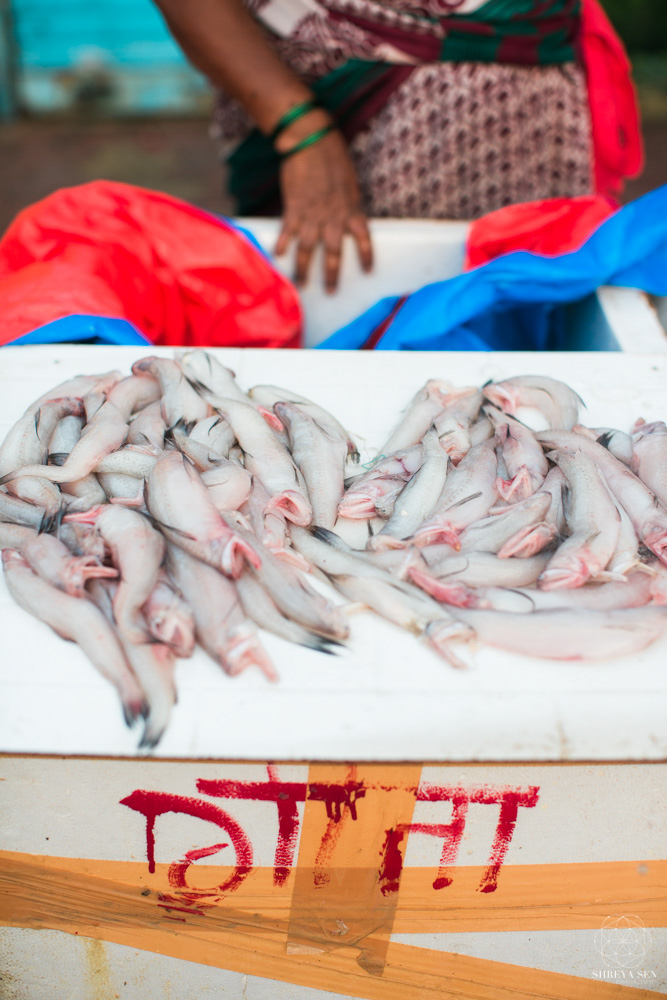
{"x": 11, "y": 559}
{"x": 293, "y": 506}
{"x": 503, "y": 395}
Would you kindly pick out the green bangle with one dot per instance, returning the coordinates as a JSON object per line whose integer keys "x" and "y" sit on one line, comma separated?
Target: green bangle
{"x": 293, "y": 115}
{"x": 310, "y": 140}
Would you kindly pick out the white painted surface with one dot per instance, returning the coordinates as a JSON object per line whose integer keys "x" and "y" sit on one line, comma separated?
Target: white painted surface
{"x": 71, "y": 808}
{"x": 41, "y": 965}
{"x": 634, "y": 320}
{"x": 574, "y": 953}
{"x": 386, "y": 697}
{"x": 45, "y": 965}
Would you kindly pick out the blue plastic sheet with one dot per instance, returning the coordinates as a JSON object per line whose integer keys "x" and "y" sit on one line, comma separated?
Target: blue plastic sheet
{"x": 515, "y": 303}
{"x": 84, "y": 330}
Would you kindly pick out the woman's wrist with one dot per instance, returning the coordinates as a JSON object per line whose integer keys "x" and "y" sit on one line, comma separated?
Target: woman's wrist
{"x": 314, "y": 121}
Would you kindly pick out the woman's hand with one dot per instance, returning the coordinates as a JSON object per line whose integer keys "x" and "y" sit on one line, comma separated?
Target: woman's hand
{"x": 319, "y": 187}
{"x": 321, "y": 203}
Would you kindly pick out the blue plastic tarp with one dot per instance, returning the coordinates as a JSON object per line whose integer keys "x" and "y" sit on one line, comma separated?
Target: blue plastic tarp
{"x": 512, "y": 303}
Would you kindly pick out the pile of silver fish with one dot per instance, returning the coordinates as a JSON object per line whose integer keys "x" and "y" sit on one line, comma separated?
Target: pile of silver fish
{"x": 142, "y": 515}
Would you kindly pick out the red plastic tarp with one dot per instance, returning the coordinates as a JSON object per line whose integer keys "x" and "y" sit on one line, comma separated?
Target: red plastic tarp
{"x": 180, "y": 275}
{"x": 552, "y": 226}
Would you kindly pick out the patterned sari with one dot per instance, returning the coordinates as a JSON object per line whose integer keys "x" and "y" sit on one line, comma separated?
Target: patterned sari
{"x": 451, "y": 108}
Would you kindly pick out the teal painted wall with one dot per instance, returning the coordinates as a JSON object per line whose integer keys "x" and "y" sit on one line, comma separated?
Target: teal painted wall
{"x": 110, "y": 56}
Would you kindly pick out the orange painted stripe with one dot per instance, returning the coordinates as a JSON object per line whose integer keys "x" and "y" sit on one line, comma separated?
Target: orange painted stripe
{"x": 338, "y": 896}
{"x": 529, "y": 897}
{"x": 36, "y": 893}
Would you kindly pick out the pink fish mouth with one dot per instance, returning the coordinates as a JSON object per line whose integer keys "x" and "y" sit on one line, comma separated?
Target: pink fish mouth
{"x": 438, "y": 533}
{"x": 520, "y": 487}
{"x": 291, "y": 557}
{"x": 456, "y": 594}
{"x": 528, "y": 541}
{"x": 384, "y": 543}
{"x": 245, "y": 650}
{"x": 11, "y": 557}
{"x": 170, "y": 631}
{"x": 235, "y": 554}
{"x": 357, "y": 508}
{"x": 440, "y": 636}
{"x": 656, "y": 541}
{"x": 293, "y": 506}
{"x": 502, "y": 397}
{"x": 565, "y": 577}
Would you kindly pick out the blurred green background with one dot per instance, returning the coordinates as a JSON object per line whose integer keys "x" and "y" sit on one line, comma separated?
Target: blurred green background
{"x": 642, "y": 24}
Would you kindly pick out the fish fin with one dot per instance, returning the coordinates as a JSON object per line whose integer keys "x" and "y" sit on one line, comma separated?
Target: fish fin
{"x": 459, "y": 503}
{"x": 160, "y": 524}
{"x": 196, "y": 383}
{"x": 605, "y": 439}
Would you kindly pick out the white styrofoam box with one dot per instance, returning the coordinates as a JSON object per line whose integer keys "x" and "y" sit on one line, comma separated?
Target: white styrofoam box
{"x": 411, "y": 253}
{"x": 386, "y": 697}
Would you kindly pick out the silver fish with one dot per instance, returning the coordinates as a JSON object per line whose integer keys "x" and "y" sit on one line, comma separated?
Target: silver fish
{"x": 469, "y": 492}
{"x": 179, "y": 400}
{"x": 52, "y": 560}
{"x": 533, "y": 538}
{"x": 501, "y": 533}
{"x": 83, "y": 494}
{"x": 137, "y": 551}
{"x": 269, "y": 461}
{"x": 564, "y": 634}
{"x": 260, "y": 607}
{"x": 526, "y": 463}
{"x": 648, "y": 515}
{"x": 215, "y": 433}
{"x": 555, "y": 400}
{"x": 399, "y": 603}
{"x": 228, "y": 485}
{"x": 26, "y": 446}
{"x": 65, "y": 436}
{"x": 78, "y": 387}
{"x": 21, "y": 512}
{"x": 417, "y": 499}
{"x": 320, "y": 455}
{"x": 635, "y": 592}
{"x": 102, "y": 435}
{"x": 296, "y": 599}
{"x": 153, "y": 666}
{"x": 122, "y": 489}
{"x": 649, "y": 457}
{"x": 452, "y": 579}
{"x": 170, "y": 620}
{"x": 132, "y": 460}
{"x": 423, "y": 409}
{"x": 134, "y": 394}
{"x": 221, "y": 627}
{"x": 205, "y": 372}
{"x": 147, "y": 428}
{"x": 179, "y": 501}
{"x": 378, "y": 487}
{"x": 594, "y": 523}
{"x": 79, "y": 620}
{"x": 269, "y": 395}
